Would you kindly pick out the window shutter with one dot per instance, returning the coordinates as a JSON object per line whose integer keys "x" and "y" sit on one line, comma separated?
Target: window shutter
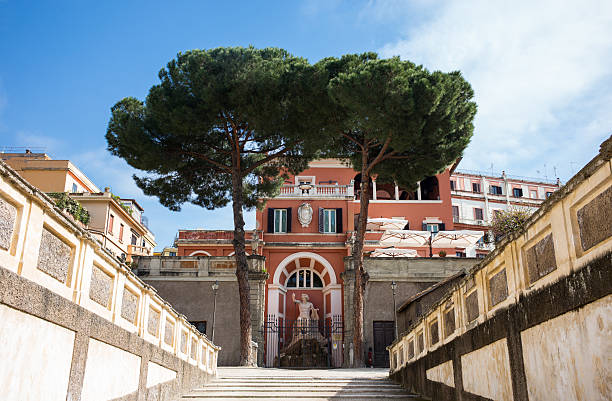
{"x": 321, "y": 220}
{"x": 424, "y": 226}
{"x": 442, "y": 226}
{"x": 270, "y": 220}
{"x": 288, "y": 219}
{"x": 339, "y": 220}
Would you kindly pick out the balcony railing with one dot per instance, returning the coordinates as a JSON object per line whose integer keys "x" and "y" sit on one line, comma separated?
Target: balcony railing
{"x": 135, "y": 250}
{"x": 309, "y": 191}
{"x": 474, "y": 222}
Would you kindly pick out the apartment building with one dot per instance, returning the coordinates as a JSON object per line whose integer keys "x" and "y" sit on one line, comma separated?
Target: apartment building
{"x": 117, "y": 223}
{"x": 477, "y": 196}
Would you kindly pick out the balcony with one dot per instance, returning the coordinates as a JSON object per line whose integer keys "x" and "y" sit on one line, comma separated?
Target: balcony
{"x": 473, "y": 222}
{"x": 135, "y": 250}
{"x": 317, "y": 191}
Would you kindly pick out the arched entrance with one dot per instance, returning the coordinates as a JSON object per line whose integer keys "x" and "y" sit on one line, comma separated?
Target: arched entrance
{"x": 304, "y": 273}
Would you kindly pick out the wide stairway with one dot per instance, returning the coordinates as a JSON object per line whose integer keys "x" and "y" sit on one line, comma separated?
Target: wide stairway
{"x": 304, "y": 385}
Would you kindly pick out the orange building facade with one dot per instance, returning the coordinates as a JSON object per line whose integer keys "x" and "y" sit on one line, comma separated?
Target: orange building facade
{"x": 306, "y": 232}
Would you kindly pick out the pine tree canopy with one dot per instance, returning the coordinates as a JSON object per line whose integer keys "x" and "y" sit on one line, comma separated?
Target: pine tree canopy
{"x": 410, "y": 122}
{"x": 246, "y": 111}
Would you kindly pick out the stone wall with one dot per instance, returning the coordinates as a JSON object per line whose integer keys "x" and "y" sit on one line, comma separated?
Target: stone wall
{"x": 412, "y": 276}
{"x": 76, "y": 320}
{"x": 532, "y": 320}
{"x": 186, "y": 282}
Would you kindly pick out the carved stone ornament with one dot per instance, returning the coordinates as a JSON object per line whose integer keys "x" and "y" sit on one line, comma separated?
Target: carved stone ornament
{"x": 305, "y": 214}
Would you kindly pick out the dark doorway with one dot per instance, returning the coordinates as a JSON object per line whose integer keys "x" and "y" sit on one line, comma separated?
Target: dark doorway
{"x": 383, "y": 337}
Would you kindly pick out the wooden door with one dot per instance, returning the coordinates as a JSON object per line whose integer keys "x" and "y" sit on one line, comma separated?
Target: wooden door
{"x": 383, "y": 337}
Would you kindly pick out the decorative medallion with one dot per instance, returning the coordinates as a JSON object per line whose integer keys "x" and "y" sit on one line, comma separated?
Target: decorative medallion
{"x": 305, "y": 214}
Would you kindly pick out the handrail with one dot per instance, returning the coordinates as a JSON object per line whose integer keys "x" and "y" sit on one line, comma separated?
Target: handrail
{"x": 475, "y": 299}
{"x": 77, "y": 267}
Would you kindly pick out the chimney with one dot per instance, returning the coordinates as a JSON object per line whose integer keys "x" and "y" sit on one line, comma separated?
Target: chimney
{"x": 106, "y": 190}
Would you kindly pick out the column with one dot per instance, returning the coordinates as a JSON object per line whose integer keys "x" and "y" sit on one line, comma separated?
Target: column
{"x": 373, "y": 189}
{"x": 396, "y": 192}
{"x": 419, "y": 191}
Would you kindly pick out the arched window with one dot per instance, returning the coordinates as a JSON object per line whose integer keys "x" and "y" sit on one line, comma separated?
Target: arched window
{"x": 304, "y": 278}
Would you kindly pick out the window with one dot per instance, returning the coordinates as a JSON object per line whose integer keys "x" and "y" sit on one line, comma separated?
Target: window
{"x": 280, "y": 220}
{"x": 74, "y": 188}
{"x": 455, "y": 211}
{"x": 453, "y": 185}
{"x": 433, "y": 228}
{"x": 496, "y": 190}
{"x": 171, "y": 253}
{"x": 476, "y": 187}
{"x": 460, "y": 254}
{"x": 534, "y": 194}
{"x": 329, "y": 220}
{"x": 548, "y": 194}
{"x": 111, "y": 222}
{"x": 200, "y": 326}
{"x": 478, "y": 214}
{"x": 517, "y": 192}
{"x": 305, "y": 279}
{"x": 120, "y": 232}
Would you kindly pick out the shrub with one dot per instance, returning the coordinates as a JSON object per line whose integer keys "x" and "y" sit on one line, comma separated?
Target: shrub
{"x": 73, "y": 207}
{"x": 509, "y": 222}
{"x": 442, "y": 254}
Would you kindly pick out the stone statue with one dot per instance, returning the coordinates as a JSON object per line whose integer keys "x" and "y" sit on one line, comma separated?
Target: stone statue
{"x": 307, "y": 309}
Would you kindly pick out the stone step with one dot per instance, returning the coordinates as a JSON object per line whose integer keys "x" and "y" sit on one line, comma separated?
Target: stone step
{"x": 303, "y": 396}
{"x": 299, "y": 390}
{"x": 302, "y": 382}
{"x": 294, "y": 386}
{"x": 301, "y": 386}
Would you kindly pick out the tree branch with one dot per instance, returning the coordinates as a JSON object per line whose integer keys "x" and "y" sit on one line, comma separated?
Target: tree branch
{"x": 265, "y": 160}
{"x": 353, "y": 140}
{"x": 380, "y": 155}
{"x": 207, "y": 159}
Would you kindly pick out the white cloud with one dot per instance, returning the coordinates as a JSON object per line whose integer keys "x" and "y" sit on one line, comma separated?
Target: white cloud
{"x": 531, "y": 64}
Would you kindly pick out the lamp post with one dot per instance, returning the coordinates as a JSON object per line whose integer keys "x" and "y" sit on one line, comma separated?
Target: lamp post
{"x": 215, "y": 288}
{"x": 393, "y": 287}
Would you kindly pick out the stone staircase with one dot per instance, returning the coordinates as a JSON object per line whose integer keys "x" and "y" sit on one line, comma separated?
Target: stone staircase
{"x": 284, "y": 384}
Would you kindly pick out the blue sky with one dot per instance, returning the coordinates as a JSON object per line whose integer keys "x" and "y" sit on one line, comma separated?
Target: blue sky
{"x": 540, "y": 70}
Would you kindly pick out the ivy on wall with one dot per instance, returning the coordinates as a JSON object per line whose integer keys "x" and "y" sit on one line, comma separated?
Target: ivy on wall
{"x": 73, "y": 207}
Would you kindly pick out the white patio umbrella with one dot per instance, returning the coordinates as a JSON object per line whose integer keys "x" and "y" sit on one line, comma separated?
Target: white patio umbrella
{"x": 405, "y": 238}
{"x": 393, "y": 252}
{"x": 385, "y": 223}
{"x": 456, "y": 239}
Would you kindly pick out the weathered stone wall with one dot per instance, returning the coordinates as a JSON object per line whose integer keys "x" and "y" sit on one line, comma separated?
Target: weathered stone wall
{"x": 414, "y": 309}
{"x": 412, "y": 275}
{"x": 78, "y": 321}
{"x": 186, "y": 282}
{"x": 534, "y": 319}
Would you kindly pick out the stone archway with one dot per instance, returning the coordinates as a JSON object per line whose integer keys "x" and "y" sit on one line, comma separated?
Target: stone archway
{"x": 331, "y": 291}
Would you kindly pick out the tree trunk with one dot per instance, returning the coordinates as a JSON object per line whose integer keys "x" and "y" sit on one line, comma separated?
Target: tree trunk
{"x": 242, "y": 271}
{"x": 360, "y": 276}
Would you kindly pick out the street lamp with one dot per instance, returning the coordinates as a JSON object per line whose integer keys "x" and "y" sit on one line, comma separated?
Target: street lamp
{"x": 393, "y": 287}
{"x": 215, "y": 288}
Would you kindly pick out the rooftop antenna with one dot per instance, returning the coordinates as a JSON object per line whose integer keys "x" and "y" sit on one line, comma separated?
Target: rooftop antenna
{"x": 545, "y": 175}
{"x": 491, "y": 169}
